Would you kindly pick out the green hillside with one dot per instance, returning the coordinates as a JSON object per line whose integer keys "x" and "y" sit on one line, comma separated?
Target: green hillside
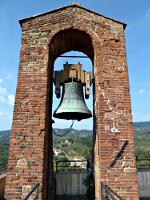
{"x": 142, "y": 142}
{"x": 78, "y": 143}
{"x": 4, "y": 144}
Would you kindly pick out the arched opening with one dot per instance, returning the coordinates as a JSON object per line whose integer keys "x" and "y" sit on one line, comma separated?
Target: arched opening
{"x": 70, "y": 42}
{"x": 73, "y": 57}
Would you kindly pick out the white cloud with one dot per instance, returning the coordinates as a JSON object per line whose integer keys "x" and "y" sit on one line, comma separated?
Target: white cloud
{"x": 135, "y": 114}
{"x": 2, "y": 99}
{"x": 11, "y": 99}
{"x": 1, "y": 80}
{"x": 5, "y": 97}
{"x": 3, "y": 91}
{"x": 141, "y": 91}
{"x": 9, "y": 77}
{"x": 147, "y": 13}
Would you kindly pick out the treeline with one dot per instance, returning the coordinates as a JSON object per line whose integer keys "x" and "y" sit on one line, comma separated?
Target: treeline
{"x": 79, "y": 144}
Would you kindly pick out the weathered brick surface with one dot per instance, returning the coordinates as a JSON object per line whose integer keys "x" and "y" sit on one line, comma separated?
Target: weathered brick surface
{"x": 2, "y": 185}
{"x": 45, "y": 37}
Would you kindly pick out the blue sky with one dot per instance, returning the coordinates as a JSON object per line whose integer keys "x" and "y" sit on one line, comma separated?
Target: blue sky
{"x": 136, "y": 13}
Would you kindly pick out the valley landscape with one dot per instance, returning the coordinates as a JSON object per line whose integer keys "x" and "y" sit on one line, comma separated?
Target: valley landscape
{"x": 77, "y": 144}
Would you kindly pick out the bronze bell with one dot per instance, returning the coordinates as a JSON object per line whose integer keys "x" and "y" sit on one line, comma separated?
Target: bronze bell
{"x": 72, "y": 105}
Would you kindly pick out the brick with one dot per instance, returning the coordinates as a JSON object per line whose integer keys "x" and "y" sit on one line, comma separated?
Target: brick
{"x": 44, "y": 37}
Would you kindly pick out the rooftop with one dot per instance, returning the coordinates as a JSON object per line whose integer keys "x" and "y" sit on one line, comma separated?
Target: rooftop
{"x": 77, "y": 5}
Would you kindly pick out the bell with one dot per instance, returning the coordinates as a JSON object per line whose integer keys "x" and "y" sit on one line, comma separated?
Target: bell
{"x": 72, "y": 104}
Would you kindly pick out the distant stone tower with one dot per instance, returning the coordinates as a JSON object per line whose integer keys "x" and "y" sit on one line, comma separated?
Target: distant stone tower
{"x": 44, "y": 38}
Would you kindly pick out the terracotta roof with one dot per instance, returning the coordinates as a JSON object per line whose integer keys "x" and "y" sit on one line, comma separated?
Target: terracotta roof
{"x": 71, "y": 5}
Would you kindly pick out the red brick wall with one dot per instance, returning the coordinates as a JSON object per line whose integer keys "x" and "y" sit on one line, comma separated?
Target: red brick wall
{"x": 45, "y": 37}
{"x": 2, "y": 185}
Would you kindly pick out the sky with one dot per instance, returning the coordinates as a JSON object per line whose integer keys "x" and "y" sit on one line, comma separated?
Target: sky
{"x": 136, "y": 13}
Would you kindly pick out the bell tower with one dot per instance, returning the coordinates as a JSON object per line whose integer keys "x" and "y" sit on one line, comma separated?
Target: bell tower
{"x": 45, "y": 37}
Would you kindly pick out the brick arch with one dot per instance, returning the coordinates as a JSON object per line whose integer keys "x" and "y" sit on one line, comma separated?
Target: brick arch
{"x": 65, "y": 40}
{"x": 71, "y": 39}
{"x": 62, "y": 41}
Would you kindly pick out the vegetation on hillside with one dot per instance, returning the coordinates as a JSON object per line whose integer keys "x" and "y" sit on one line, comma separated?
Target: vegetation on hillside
{"x": 78, "y": 144}
{"x": 4, "y": 144}
{"x": 142, "y": 143}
